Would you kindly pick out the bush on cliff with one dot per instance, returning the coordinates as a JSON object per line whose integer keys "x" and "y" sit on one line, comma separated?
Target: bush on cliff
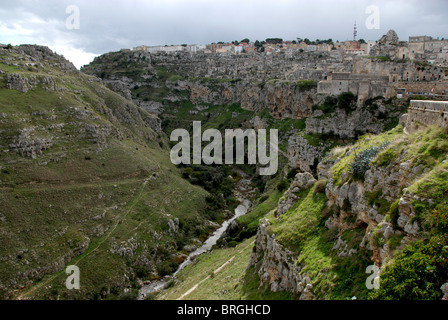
{"x": 417, "y": 273}
{"x": 347, "y": 101}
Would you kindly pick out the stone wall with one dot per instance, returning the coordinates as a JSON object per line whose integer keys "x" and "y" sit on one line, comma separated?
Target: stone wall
{"x": 439, "y": 88}
{"x": 424, "y": 113}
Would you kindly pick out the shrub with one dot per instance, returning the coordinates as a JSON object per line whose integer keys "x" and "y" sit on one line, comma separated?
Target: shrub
{"x": 394, "y": 241}
{"x": 417, "y": 273}
{"x": 305, "y": 85}
{"x": 437, "y": 218}
{"x": 151, "y": 296}
{"x": 282, "y": 185}
{"x": 328, "y": 106}
{"x": 291, "y": 174}
{"x": 170, "y": 284}
{"x": 346, "y": 101}
{"x": 361, "y": 163}
{"x": 128, "y": 296}
{"x": 232, "y": 244}
{"x": 393, "y": 213}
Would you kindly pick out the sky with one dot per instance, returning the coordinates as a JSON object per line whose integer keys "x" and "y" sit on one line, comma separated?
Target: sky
{"x": 83, "y": 29}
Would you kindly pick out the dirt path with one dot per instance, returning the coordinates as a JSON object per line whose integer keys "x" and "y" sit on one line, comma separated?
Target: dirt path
{"x": 214, "y": 272}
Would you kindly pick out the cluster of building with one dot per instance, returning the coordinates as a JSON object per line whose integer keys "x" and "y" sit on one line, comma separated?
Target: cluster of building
{"x": 423, "y": 48}
{"x": 387, "y": 67}
{"x": 395, "y": 68}
{"x": 353, "y": 47}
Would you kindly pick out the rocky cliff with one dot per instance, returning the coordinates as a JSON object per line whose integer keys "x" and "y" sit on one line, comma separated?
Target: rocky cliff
{"x": 377, "y": 217}
{"x": 168, "y": 84}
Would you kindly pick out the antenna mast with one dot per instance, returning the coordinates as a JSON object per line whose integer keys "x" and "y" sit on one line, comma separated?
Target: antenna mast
{"x": 355, "y": 32}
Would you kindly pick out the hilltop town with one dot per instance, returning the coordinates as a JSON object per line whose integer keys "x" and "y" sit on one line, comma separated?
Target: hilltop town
{"x": 422, "y": 48}
{"x": 387, "y": 67}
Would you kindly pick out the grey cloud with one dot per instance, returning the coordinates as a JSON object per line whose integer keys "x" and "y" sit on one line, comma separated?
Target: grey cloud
{"x": 112, "y": 25}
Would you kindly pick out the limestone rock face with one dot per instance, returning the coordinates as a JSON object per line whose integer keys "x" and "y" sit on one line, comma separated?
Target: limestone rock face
{"x": 17, "y": 82}
{"x": 283, "y": 100}
{"x": 285, "y": 66}
{"x": 276, "y": 266}
{"x": 387, "y": 45}
{"x": 302, "y": 155}
{"x": 301, "y": 181}
{"x": 121, "y": 88}
{"x": 31, "y": 148}
{"x": 444, "y": 289}
{"x": 351, "y": 204}
{"x": 173, "y": 226}
{"x": 344, "y": 125}
{"x": 353, "y": 196}
{"x": 41, "y": 54}
{"x": 389, "y": 38}
{"x": 153, "y": 107}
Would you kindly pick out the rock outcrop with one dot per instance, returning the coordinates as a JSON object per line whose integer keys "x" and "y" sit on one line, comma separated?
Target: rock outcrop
{"x": 277, "y": 267}
{"x": 301, "y": 181}
{"x": 304, "y": 156}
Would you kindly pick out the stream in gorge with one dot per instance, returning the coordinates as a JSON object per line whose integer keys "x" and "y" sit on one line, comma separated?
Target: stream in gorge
{"x": 158, "y": 285}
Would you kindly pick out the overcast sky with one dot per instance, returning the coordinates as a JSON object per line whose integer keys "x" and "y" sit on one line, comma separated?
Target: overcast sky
{"x": 106, "y": 26}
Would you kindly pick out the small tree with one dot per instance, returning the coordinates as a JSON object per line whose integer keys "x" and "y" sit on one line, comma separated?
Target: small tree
{"x": 346, "y": 100}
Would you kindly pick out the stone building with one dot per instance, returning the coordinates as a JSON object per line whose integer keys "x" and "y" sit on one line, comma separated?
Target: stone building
{"x": 365, "y": 86}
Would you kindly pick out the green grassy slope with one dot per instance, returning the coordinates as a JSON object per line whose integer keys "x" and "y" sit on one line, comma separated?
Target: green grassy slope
{"x": 99, "y": 195}
{"x": 220, "y": 275}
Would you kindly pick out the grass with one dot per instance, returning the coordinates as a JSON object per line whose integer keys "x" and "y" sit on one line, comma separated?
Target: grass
{"x": 433, "y": 185}
{"x": 294, "y": 227}
{"x": 365, "y": 142}
{"x": 301, "y": 230}
{"x": 231, "y": 282}
{"x": 78, "y": 200}
{"x": 384, "y": 158}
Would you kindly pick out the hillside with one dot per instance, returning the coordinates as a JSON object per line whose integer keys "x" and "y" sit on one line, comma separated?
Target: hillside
{"x": 85, "y": 179}
{"x": 342, "y": 202}
{"x": 393, "y": 215}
